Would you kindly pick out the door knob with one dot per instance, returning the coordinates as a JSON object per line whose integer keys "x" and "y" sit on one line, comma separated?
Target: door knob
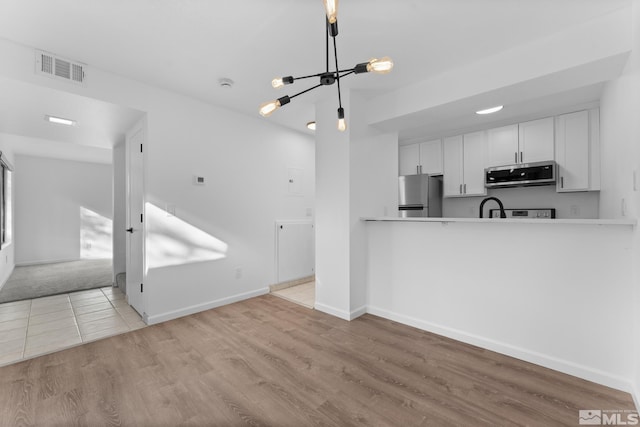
{"x": 130, "y": 230}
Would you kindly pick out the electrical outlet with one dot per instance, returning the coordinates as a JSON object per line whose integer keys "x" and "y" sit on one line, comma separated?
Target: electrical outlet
{"x": 574, "y": 210}
{"x": 239, "y": 273}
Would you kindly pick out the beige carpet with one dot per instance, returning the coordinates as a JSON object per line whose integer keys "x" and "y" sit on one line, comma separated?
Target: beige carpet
{"x": 40, "y": 280}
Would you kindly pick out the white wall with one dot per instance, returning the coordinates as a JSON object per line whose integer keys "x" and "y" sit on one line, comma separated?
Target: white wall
{"x": 119, "y": 209}
{"x": 586, "y": 203}
{"x": 555, "y": 295}
{"x": 356, "y": 176}
{"x": 7, "y": 254}
{"x": 620, "y": 139}
{"x": 50, "y": 195}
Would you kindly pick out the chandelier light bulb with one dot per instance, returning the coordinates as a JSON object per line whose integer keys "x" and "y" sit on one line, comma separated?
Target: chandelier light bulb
{"x": 269, "y": 107}
{"x": 331, "y": 6}
{"x": 278, "y": 82}
{"x": 380, "y": 66}
{"x": 342, "y": 124}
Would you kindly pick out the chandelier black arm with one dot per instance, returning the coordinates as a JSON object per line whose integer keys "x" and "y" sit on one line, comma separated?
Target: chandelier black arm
{"x": 309, "y": 76}
{"x": 349, "y": 70}
{"x": 335, "y": 55}
{"x": 305, "y": 91}
{"x": 347, "y": 73}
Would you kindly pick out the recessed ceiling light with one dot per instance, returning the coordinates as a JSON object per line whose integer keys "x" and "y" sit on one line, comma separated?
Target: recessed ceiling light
{"x": 311, "y": 125}
{"x": 491, "y": 110}
{"x": 60, "y": 120}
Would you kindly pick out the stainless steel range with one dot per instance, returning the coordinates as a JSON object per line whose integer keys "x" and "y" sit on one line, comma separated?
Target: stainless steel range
{"x": 524, "y": 213}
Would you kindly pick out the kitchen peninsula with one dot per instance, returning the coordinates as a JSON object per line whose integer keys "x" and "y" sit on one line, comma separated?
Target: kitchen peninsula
{"x": 554, "y": 292}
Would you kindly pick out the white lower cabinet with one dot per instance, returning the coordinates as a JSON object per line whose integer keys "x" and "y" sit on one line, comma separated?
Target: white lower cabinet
{"x": 577, "y": 151}
{"x": 463, "y": 165}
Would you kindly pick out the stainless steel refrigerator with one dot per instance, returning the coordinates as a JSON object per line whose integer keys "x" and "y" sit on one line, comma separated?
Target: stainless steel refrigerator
{"x": 420, "y": 196}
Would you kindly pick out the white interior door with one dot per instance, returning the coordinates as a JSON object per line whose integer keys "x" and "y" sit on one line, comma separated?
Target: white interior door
{"x": 135, "y": 218}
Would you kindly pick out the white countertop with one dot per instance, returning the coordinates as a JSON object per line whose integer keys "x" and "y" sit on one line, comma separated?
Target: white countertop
{"x": 627, "y": 222}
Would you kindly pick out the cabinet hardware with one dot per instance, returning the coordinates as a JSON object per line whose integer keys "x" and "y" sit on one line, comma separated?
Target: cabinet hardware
{"x": 460, "y": 188}
{"x": 562, "y": 182}
{"x": 521, "y": 157}
{"x": 515, "y": 157}
{"x": 465, "y": 188}
{"x": 418, "y": 169}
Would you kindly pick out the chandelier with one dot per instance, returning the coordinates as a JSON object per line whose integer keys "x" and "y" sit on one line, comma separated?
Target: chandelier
{"x": 327, "y": 78}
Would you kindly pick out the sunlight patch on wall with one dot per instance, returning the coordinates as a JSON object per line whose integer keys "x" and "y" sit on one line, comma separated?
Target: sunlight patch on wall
{"x": 173, "y": 241}
{"x": 95, "y": 235}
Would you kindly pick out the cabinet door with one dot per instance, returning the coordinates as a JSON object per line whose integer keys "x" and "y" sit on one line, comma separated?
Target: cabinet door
{"x": 502, "y": 145}
{"x": 536, "y": 140}
{"x": 431, "y": 157}
{"x": 408, "y": 158}
{"x": 572, "y": 151}
{"x": 474, "y": 149}
{"x": 452, "y": 166}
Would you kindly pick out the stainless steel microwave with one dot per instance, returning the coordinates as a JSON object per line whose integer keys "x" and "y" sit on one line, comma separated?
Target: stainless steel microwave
{"x": 521, "y": 175}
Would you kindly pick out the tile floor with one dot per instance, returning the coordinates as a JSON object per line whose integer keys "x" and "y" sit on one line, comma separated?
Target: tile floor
{"x": 42, "y": 325}
{"x": 304, "y": 294}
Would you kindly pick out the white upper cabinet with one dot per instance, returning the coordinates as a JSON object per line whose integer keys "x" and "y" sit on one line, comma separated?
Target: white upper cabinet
{"x": 521, "y": 143}
{"x": 409, "y": 159}
{"x": 431, "y": 157}
{"x": 452, "y": 165}
{"x": 464, "y": 163}
{"x": 475, "y": 148}
{"x": 423, "y": 157}
{"x": 577, "y": 151}
{"x": 535, "y": 140}
{"x": 502, "y": 145}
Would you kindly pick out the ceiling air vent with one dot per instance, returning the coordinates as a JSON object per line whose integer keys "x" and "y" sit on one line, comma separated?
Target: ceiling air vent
{"x": 59, "y": 68}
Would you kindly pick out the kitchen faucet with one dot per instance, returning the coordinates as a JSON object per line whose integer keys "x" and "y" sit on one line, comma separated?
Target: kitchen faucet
{"x": 502, "y": 213}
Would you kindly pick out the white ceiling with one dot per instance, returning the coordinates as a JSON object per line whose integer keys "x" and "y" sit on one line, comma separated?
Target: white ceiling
{"x": 23, "y": 108}
{"x": 187, "y": 45}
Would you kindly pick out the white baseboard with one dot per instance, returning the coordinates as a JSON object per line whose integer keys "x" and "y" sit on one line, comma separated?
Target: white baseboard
{"x": 342, "y": 314}
{"x": 170, "y": 315}
{"x": 357, "y": 312}
{"x": 544, "y": 360}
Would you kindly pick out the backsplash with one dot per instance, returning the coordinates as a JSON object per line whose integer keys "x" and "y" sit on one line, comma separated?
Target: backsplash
{"x": 567, "y": 205}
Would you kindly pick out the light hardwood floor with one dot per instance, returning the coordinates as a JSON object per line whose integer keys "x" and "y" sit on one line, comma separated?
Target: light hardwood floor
{"x": 267, "y": 361}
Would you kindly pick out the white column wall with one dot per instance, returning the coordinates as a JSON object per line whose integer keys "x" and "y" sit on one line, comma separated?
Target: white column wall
{"x": 333, "y": 227}
{"x": 357, "y": 173}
